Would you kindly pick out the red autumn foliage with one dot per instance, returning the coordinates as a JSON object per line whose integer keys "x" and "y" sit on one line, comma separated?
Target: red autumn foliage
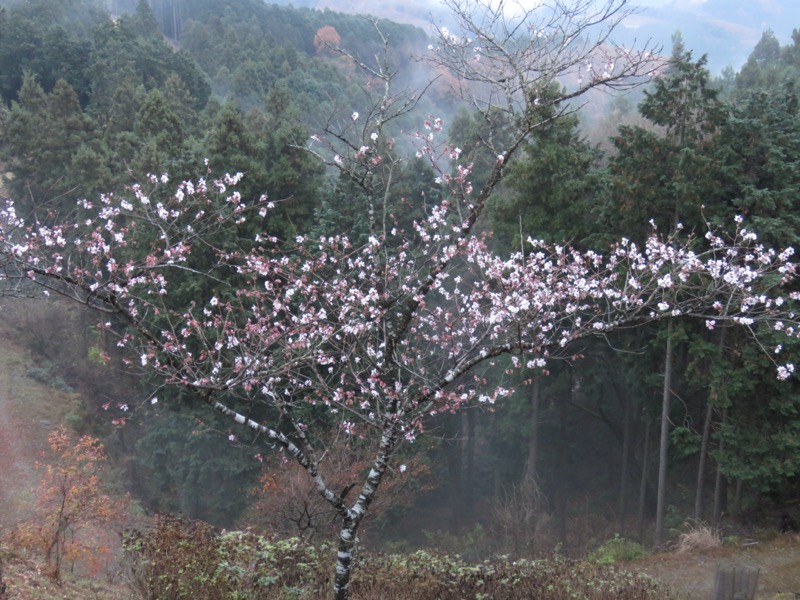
{"x": 326, "y": 37}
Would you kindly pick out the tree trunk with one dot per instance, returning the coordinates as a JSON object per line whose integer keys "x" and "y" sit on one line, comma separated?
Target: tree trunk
{"x": 720, "y": 496}
{"x": 623, "y": 477}
{"x": 643, "y": 483}
{"x": 699, "y": 497}
{"x": 351, "y": 517}
{"x": 469, "y": 487}
{"x": 737, "y": 498}
{"x": 720, "y": 482}
{"x": 176, "y": 22}
{"x": 663, "y": 448}
{"x": 497, "y": 481}
{"x": 2, "y": 581}
{"x": 560, "y": 491}
{"x": 344, "y": 560}
{"x": 452, "y": 445}
{"x": 533, "y": 445}
{"x": 699, "y": 493}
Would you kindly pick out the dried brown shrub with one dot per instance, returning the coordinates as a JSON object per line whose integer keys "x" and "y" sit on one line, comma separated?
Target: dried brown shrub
{"x": 699, "y": 536}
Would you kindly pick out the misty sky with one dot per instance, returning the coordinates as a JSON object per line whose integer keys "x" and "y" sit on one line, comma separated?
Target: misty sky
{"x": 726, "y": 30}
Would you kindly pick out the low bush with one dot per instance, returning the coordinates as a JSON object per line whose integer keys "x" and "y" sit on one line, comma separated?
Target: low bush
{"x": 427, "y": 576}
{"x": 47, "y": 374}
{"x": 177, "y": 559}
{"x": 617, "y": 549}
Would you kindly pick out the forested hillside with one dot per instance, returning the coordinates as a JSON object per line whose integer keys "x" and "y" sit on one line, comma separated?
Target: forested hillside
{"x": 633, "y": 431}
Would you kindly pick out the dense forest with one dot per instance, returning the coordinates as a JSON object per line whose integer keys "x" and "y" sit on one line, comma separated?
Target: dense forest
{"x": 97, "y": 95}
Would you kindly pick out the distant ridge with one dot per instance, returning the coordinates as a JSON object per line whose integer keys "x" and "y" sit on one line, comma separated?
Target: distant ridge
{"x": 725, "y": 30}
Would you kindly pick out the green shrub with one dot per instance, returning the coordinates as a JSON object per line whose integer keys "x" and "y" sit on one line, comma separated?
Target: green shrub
{"x": 617, "y": 549}
{"x": 425, "y": 575}
{"x": 731, "y": 540}
{"x": 47, "y": 374}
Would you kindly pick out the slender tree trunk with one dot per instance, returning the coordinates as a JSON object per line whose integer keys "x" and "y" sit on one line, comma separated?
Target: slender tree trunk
{"x": 720, "y": 496}
{"x": 699, "y": 496}
{"x": 469, "y": 487}
{"x": 663, "y": 448}
{"x": 623, "y": 477}
{"x": 560, "y": 491}
{"x": 2, "y": 581}
{"x": 455, "y": 468}
{"x": 643, "y": 483}
{"x": 344, "y": 558}
{"x": 720, "y": 482}
{"x": 699, "y": 493}
{"x": 737, "y": 497}
{"x": 530, "y": 490}
{"x": 533, "y": 445}
{"x": 497, "y": 482}
{"x": 176, "y": 26}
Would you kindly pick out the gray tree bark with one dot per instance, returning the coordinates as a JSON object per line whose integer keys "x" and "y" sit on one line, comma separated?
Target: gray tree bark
{"x": 699, "y": 497}
{"x": 663, "y": 449}
{"x": 533, "y": 445}
{"x": 720, "y": 482}
{"x": 643, "y": 482}
{"x": 699, "y": 492}
{"x": 623, "y": 478}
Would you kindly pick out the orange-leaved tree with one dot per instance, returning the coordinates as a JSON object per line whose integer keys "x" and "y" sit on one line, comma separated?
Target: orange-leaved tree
{"x": 326, "y": 38}
{"x": 69, "y": 500}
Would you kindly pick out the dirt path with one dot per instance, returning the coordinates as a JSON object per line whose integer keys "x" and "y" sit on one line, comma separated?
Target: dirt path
{"x": 692, "y": 575}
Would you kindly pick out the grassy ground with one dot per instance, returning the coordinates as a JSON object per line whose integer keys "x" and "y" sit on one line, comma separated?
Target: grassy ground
{"x": 29, "y": 410}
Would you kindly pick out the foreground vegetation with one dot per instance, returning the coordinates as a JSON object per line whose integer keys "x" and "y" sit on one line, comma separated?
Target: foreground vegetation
{"x": 178, "y": 559}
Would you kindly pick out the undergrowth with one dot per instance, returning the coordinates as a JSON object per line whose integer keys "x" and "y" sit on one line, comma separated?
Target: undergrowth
{"x": 177, "y": 559}
{"x": 617, "y": 549}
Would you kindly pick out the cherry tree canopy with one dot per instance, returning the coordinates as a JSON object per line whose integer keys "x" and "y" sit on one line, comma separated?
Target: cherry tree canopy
{"x": 290, "y": 337}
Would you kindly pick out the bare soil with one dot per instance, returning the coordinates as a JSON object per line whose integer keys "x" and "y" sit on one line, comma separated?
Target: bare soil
{"x": 691, "y": 575}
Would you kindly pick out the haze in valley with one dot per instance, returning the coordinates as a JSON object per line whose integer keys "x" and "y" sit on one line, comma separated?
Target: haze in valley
{"x": 725, "y": 30}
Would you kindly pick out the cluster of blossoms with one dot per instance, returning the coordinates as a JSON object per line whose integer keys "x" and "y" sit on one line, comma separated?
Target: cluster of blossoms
{"x": 450, "y": 39}
{"x": 325, "y": 307}
{"x": 361, "y": 152}
{"x": 433, "y": 123}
